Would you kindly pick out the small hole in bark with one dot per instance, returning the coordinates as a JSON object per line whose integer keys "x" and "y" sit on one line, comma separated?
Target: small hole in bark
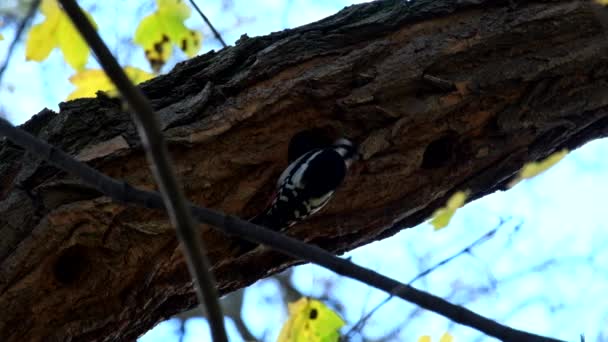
{"x": 307, "y": 140}
{"x": 440, "y": 152}
{"x": 71, "y": 265}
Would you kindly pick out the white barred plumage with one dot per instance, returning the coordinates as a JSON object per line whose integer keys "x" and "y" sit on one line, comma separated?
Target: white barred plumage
{"x": 307, "y": 184}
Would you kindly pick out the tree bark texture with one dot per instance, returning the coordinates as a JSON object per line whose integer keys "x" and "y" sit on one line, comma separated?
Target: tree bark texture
{"x": 441, "y": 95}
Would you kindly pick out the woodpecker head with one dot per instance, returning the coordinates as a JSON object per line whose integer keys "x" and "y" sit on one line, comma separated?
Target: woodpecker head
{"x": 347, "y": 149}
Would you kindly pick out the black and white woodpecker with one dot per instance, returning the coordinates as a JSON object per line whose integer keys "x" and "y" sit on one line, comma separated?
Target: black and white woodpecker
{"x": 307, "y": 184}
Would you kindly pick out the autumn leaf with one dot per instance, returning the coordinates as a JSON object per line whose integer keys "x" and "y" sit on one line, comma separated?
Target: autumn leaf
{"x": 157, "y": 33}
{"x": 311, "y": 321}
{"x": 444, "y": 338}
{"x": 57, "y": 31}
{"x": 533, "y": 169}
{"x": 89, "y": 82}
{"x": 442, "y": 216}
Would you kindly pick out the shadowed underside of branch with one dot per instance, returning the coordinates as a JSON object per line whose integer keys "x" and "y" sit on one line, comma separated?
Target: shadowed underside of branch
{"x": 518, "y": 82}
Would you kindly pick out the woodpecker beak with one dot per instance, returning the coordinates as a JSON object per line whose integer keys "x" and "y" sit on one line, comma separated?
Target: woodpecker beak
{"x": 349, "y": 162}
{"x": 348, "y": 150}
{"x": 354, "y": 158}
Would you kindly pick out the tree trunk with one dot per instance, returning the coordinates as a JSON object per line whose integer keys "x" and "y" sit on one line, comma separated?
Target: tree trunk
{"x": 441, "y": 95}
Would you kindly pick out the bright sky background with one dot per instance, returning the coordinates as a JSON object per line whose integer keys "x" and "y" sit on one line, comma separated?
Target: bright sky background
{"x": 544, "y": 271}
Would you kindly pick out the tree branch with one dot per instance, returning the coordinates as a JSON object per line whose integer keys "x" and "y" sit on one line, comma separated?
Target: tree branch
{"x": 228, "y": 117}
{"x": 125, "y": 193}
{"x": 154, "y": 144}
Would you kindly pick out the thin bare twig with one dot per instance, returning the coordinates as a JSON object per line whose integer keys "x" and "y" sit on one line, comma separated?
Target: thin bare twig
{"x": 125, "y": 193}
{"x": 485, "y": 237}
{"x": 217, "y": 35}
{"x": 153, "y": 141}
{"x": 232, "y": 305}
{"x": 24, "y": 23}
{"x": 182, "y": 330}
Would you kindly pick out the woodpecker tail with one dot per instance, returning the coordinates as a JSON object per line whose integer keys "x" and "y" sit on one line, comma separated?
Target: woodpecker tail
{"x": 267, "y": 220}
{"x": 260, "y": 220}
{"x": 245, "y": 246}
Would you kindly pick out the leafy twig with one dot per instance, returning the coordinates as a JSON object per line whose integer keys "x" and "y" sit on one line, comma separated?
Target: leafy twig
{"x": 156, "y": 149}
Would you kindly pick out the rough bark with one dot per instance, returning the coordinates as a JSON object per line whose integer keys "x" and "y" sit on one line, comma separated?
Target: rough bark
{"x": 524, "y": 79}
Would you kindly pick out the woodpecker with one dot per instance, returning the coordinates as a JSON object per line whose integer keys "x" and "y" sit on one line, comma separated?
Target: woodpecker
{"x": 307, "y": 184}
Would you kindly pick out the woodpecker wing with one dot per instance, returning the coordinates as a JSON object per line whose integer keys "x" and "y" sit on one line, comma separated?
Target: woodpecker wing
{"x": 304, "y": 188}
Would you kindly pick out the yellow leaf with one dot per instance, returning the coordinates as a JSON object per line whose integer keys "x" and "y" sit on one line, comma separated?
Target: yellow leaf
{"x": 311, "y": 321}
{"x": 446, "y": 337}
{"x": 442, "y": 216}
{"x": 57, "y": 31}
{"x": 89, "y": 82}
{"x": 157, "y": 33}
{"x": 533, "y": 169}
{"x": 1, "y": 36}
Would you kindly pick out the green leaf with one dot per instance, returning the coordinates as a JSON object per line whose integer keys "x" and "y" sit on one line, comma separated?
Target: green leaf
{"x": 533, "y": 169}
{"x": 442, "y": 216}
{"x": 89, "y": 82}
{"x": 57, "y": 31}
{"x": 157, "y": 33}
{"x": 311, "y": 321}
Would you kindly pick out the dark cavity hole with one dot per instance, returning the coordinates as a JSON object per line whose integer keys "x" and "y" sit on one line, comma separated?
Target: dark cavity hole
{"x": 440, "y": 152}
{"x": 71, "y": 265}
{"x": 307, "y": 140}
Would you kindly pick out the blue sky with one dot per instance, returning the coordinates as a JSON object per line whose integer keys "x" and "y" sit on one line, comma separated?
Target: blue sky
{"x": 544, "y": 270}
